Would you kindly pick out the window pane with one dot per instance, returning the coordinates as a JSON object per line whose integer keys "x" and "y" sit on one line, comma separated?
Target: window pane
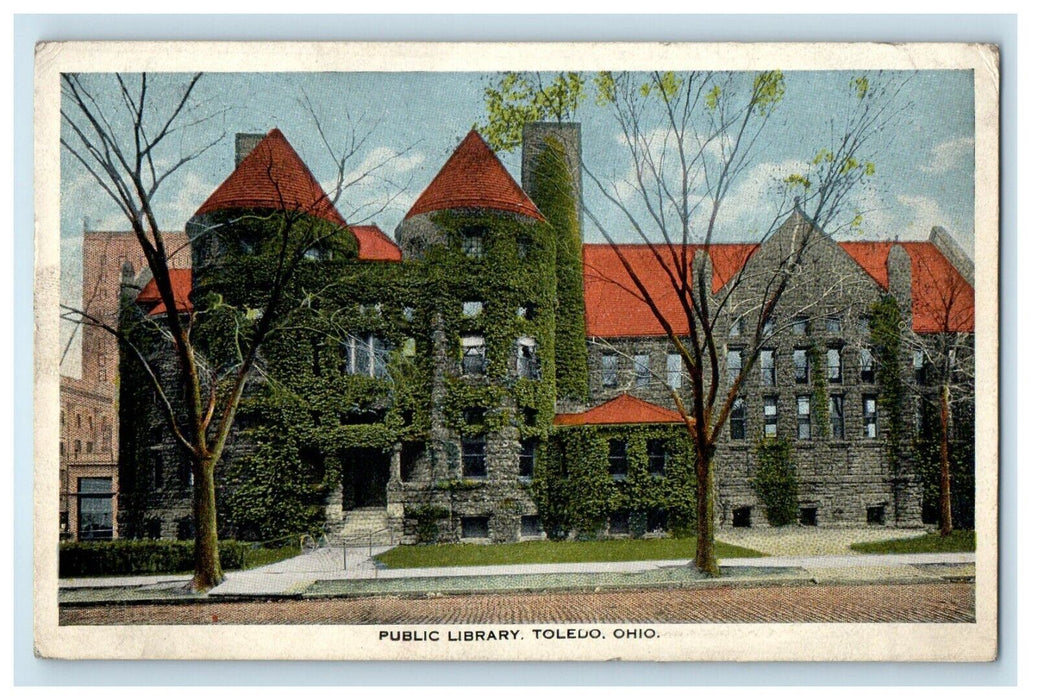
{"x": 737, "y": 419}
{"x": 471, "y": 308}
{"x": 834, "y": 365}
{"x": 641, "y": 370}
{"x": 832, "y": 324}
{"x": 836, "y": 415}
{"x": 767, "y": 367}
{"x": 674, "y": 371}
{"x": 527, "y": 457}
{"x": 473, "y": 456}
{"x": 609, "y": 365}
{"x": 800, "y": 326}
{"x": 800, "y": 366}
{"x": 734, "y": 363}
{"x": 868, "y": 366}
{"x": 618, "y": 459}
{"x": 657, "y": 457}
{"x": 770, "y": 416}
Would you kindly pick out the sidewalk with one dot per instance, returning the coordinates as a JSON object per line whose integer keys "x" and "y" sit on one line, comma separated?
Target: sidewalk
{"x": 321, "y": 574}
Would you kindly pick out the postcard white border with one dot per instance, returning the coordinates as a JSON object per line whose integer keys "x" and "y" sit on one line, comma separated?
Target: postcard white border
{"x": 707, "y": 642}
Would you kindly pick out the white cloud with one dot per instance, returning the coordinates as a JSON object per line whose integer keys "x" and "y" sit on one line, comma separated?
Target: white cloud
{"x": 924, "y": 214}
{"x": 750, "y": 206}
{"x": 948, "y": 155}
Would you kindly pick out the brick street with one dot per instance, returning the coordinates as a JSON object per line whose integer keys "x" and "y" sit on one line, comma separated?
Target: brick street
{"x": 929, "y": 602}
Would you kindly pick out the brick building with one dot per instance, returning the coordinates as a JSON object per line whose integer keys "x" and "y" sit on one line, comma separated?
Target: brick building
{"x": 89, "y": 403}
{"x": 468, "y": 441}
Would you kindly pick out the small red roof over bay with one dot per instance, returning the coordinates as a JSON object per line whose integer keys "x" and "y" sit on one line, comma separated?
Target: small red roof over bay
{"x": 623, "y": 410}
{"x": 375, "y": 245}
{"x": 474, "y": 178}
{"x": 180, "y": 279}
{"x": 272, "y": 176}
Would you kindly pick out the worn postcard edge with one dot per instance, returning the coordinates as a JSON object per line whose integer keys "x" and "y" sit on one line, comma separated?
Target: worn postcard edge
{"x": 708, "y": 642}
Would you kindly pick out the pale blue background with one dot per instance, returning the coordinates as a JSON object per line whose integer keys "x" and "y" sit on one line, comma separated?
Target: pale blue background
{"x": 29, "y": 29}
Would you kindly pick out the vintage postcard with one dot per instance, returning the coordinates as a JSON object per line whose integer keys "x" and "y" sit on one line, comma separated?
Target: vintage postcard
{"x": 656, "y": 352}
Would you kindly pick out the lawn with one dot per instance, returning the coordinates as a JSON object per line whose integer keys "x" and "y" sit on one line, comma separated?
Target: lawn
{"x": 547, "y": 552}
{"x": 957, "y": 541}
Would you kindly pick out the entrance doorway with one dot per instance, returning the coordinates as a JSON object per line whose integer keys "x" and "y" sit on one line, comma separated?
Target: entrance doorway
{"x": 365, "y": 475}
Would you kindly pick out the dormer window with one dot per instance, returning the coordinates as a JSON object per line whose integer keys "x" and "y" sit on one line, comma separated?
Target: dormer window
{"x": 472, "y": 241}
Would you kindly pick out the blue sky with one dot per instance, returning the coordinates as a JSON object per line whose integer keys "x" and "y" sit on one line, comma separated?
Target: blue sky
{"x": 924, "y": 171}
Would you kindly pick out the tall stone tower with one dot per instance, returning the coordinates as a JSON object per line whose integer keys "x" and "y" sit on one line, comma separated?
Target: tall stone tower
{"x": 552, "y": 177}
{"x": 486, "y": 303}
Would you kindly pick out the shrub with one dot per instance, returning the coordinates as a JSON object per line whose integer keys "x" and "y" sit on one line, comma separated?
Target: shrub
{"x": 776, "y": 481}
{"x": 120, "y": 557}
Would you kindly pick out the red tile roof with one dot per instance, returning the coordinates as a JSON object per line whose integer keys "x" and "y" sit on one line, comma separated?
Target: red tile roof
{"x": 272, "y": 176}
{"x": 181, "y": 281}
{"x": 375, "y": 245}
{"x": 942, "y": 299}
{"x": 614, "y": 308}
{"x": 473, "y": 177}
{"x": 623, "y": 410}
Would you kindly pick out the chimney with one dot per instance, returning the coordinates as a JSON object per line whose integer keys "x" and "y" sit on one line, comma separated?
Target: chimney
{"x": 568, "y": 135}
{"x": 244, "y": 145}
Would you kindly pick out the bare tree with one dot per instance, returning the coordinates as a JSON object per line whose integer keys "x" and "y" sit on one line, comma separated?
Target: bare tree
{"x": 131, "y": 138}
{"x": 944, "y": 349}
{"x": 689, "y": 140}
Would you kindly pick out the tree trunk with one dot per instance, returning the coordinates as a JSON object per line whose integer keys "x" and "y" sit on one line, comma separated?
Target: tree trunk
{"x": 706, "y": 558}
{"x": 945, "y": 498}
{"x": 208, "y": 572}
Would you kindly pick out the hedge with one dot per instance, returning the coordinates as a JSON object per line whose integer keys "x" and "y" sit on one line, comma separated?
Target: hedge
{"x": 140, "y": 557}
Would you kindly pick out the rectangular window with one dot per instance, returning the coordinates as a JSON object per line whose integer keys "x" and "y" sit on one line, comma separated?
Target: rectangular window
{"x": 770, "y": 416}
{"x": 674, "y": 370}
{"x": 472, "y": 241}
{"x": 801, "y": 366}
{"x": 834, "y": 365}
{"x": 735, "y": 329}
{"x": 473, "y": 355}
{"x": 832, "y": 324}
{"x": 641, "y": 370}
{"x": 474, "y": 456}
{"x": 365, "y": 355}
{"x": 527, "y": 457}
{"x": 868, "y": 366}
{"x": 767, "y": 367}
{"x": 609, "y": 367}
{"x": 800, "y": 326}
{"x": 733, "y": 360}
{"x": 737, "y": 419}
{"x": 875, "y": 515}
{"x": 527, "y": 311}
{"x": 769, "y": 328}
{"x": 657, "y": 453}
{"x": 803, "y": 417}
{"x": 809, "y": 516}
{"x": 95, "y": 508}
{"x": 836, "y": 415}
{"x": 469, "y": 309}
{"x": 868, "y": 410}
{"x": 473, "y": 416}
{"x": 530, "y": 526}
{"x": 78, "y": 446}
{"x": 526, "y": 358}
{"x": 410, "y": 453}
{"x": 865, "y": 326}
{"x": 475, "y": 528}
{"x": 919, "y": 367}
{"x": 620, "y": 523}
{"x": 618, "y": 459}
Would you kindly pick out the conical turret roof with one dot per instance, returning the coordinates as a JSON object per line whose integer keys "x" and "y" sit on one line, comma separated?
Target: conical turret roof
{"x": 474, "y": 178}
{"x": 272, "y": 176}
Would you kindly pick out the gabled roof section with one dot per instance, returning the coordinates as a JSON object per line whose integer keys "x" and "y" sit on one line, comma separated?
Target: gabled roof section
{"x": 614, "y": 308}
{"x": 942, "y": 299}
{"x": 272, "y": 176}
{"x": 623, "y": 410}
{"x": 474, "y": 178}
{"x": 375, "y": 244}
{"x": 180, "y": 279}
